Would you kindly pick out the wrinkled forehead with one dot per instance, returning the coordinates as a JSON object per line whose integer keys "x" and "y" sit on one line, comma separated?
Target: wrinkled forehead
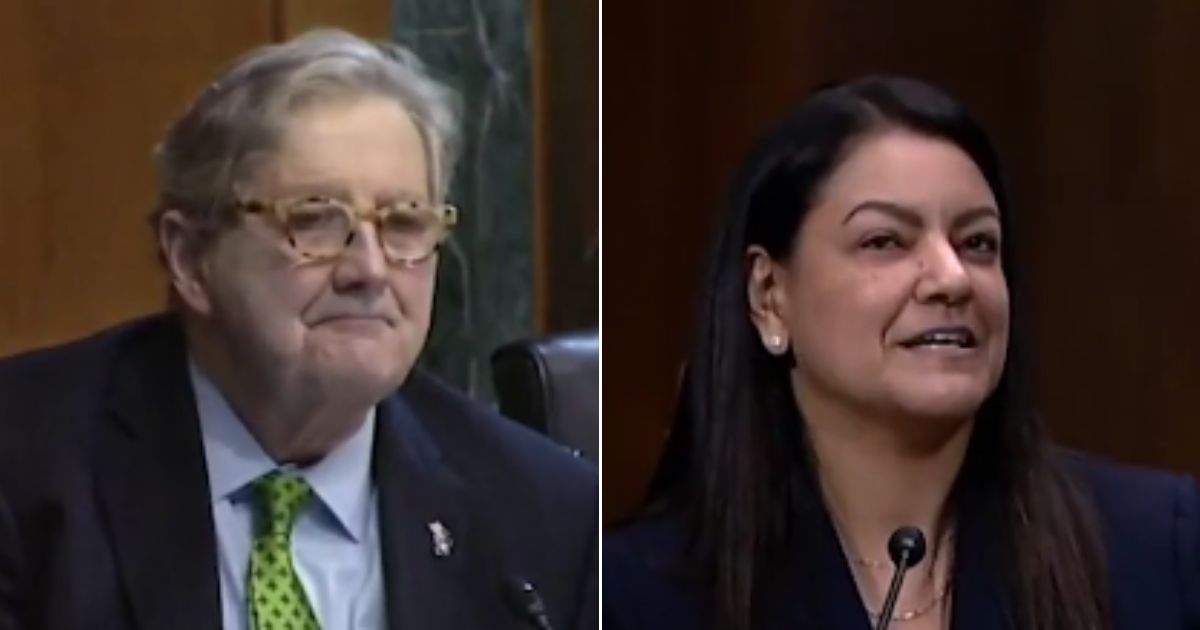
{"x": 351, "y": 148}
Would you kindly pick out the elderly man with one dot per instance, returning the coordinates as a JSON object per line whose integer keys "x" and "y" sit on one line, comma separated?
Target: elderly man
{"x": 266, "y": 455}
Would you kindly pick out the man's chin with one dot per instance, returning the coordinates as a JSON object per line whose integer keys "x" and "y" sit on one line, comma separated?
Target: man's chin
{"x": 354, "y": 380}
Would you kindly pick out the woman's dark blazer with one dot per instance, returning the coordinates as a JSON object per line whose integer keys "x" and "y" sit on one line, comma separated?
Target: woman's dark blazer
{"x": 1150, "y": 522}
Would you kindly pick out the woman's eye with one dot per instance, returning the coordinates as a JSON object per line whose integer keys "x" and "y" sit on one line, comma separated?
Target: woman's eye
{"x": 982, "y": 243}
{"x": 881, "y": 241}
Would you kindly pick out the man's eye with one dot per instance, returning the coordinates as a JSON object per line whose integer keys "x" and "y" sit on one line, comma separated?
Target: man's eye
{"x": 314, "y": 216}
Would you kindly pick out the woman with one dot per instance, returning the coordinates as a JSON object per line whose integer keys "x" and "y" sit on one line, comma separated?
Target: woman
{"x": 859, "y": 367}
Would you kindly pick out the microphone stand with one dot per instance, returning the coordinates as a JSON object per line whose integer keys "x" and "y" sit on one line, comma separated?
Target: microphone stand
{"x": 906, "y": 548}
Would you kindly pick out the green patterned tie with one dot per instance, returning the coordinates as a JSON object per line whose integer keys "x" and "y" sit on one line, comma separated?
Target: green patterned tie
{"x": 277, "y": 599}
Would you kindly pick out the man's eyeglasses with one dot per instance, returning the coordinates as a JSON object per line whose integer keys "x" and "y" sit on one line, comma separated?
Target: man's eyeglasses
{"x": 320, "y": 228}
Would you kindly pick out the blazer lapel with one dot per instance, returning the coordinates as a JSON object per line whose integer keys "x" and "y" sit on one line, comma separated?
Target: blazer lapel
{"x": 154, "y": 487}
{"x": 434, "y": 559}
{"x": 821, "y": 579}
{"x": 829, "y": 593}
{"x": 839, "y": 603}
{"x": 843, "y": 603}
{"x": 978, "y": 601}
{"x": 443, "y": 568}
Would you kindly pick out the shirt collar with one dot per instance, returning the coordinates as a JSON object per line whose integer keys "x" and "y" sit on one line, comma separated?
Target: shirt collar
{"x": 341, "y": 480}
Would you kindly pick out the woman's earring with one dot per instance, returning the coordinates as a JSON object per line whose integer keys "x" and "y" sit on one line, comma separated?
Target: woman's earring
{"x": 776, "y": 345}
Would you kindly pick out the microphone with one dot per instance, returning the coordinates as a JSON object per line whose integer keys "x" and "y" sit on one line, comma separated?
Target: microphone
{"x": 906, "y": 547}
{"x": 526, "y": 602}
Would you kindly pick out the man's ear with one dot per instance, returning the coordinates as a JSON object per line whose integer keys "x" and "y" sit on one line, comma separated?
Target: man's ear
{"x": 185, "y": 263}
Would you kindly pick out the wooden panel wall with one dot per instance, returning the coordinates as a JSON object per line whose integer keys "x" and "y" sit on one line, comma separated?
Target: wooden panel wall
{"x": 1113, "y": 181}
{"x": 89, "y": 89}
{"x": 366, "y": 18}
{"x": 566, "y": 124}
{"x": 1092, "y": 106}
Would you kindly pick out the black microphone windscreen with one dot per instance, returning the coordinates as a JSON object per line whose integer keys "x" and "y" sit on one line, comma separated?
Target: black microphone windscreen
{"x": 525, "y": 601}
{"x": 907, "y": 541}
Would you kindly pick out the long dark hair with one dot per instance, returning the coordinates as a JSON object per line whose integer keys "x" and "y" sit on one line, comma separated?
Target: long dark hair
{"x": 737, "y": 464}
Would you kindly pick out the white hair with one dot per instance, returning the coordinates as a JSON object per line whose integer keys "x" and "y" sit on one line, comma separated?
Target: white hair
{"x": 216, "y": 145}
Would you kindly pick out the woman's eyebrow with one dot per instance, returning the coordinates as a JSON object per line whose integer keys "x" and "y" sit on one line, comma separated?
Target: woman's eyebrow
{"x": 897, "y": 211}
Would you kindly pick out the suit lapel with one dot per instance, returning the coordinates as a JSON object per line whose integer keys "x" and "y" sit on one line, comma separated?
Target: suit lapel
{"x": 820, "y": 579}
{"x": 154, "y": 488}
{"x": 978, "y": 601}
{"x": 419, "y": 492}
{"x": 838, "y": 601}
{"x": 978, "y": 597}
{"x": 830, "y": 592}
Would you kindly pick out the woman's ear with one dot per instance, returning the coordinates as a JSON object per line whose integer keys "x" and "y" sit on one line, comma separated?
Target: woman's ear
{"x": 185, "y": 264}
{"x": 768, "y": 299}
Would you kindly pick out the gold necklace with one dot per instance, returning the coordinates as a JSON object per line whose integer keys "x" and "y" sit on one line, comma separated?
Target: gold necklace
{"x": 908, "y": 615}
{"x": 871, "y": 564}
{"x": 919, "y": 611}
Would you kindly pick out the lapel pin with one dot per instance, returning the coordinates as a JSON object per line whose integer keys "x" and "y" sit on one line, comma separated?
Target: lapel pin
{"x": 443, "y": 542}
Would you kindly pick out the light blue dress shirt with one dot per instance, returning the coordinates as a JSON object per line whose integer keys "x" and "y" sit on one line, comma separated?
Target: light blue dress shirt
{"x": 335, "y": 543}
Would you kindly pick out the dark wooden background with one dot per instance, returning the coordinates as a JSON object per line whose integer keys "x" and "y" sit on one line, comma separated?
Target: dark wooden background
{"x": 1094, "y": 106}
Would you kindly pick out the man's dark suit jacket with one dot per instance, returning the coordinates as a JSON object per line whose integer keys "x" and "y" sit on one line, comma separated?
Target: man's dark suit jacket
{"x": 1150, "y": 522}
{"x": 106, "y": 522}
